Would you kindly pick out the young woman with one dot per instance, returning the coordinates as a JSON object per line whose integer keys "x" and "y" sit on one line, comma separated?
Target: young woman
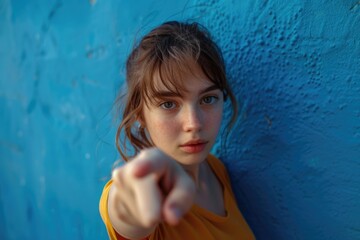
{"x": 172, "y": 188}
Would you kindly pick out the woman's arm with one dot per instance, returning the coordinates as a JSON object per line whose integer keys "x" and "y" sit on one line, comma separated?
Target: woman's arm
{"x": 149, "y": 189}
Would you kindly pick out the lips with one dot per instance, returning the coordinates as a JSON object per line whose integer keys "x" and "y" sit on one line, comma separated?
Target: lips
{"x": 194, "y": 146}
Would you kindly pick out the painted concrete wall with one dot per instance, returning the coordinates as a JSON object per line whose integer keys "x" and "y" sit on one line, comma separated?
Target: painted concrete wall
{"x": 294, "y": 155}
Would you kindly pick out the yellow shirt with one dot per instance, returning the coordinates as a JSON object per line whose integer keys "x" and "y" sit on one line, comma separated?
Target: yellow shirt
{"x": 198, "y": 223}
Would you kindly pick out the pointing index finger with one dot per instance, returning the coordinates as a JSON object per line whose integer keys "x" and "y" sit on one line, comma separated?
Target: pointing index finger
{"x": 150, "y": 161}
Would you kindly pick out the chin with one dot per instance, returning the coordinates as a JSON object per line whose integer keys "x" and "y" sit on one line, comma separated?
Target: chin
{"x": 192, "y": 159}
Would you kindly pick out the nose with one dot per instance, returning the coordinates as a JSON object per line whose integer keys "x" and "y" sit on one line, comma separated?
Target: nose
{"x": 193, "y": 119}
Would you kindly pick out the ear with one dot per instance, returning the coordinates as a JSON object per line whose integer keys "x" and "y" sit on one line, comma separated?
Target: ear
{"x": 140, "y": 119}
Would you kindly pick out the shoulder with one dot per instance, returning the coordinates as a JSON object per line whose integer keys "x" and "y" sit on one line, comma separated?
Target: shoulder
{"x": 103, "y": 200}
{"x": 103, "y": 209}
{"x": 104, "y": 212}
{"x": 216, "y": 163}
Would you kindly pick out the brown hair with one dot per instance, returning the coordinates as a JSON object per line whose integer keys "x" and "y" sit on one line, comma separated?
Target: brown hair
{"x": 168, "y": 50}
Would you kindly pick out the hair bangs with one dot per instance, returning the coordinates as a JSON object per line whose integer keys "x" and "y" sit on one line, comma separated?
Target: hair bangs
{"x": 167, "y": 74}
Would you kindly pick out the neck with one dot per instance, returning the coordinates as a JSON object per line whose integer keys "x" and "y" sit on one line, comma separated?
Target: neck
{"x": 196, "y": 172}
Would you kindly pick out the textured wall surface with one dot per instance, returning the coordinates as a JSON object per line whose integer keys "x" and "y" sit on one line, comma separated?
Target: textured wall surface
{"x": 294, "y": 155}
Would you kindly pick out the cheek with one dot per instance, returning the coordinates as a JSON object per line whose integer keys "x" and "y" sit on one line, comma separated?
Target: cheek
{"x": 214, "y": 123}
{"x": 161, "y": 130}
{"x": 213, "y": 120}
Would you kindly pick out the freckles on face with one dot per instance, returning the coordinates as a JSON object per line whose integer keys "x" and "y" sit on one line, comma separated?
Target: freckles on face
{"x": 161, "y": 128}
{"x": 185, "y": 125}
{"x": 175, "y": 121}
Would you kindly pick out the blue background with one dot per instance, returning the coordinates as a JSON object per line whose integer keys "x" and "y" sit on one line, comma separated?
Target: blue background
{"x": 294, "y": 154}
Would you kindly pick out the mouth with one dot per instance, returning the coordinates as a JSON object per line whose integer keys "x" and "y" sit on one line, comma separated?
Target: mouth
{"x": 194, "y": 146}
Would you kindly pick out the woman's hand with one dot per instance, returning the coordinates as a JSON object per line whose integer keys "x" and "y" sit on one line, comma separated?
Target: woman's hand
{"x": 149, "y": 189}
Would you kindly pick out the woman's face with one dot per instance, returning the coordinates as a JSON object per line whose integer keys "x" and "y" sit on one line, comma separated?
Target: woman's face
{"x": 185, "y": 126}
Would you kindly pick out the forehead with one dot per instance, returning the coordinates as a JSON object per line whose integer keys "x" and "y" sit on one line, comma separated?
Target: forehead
{"x": 180, "y": 80}
{"x": 175, "y": 77}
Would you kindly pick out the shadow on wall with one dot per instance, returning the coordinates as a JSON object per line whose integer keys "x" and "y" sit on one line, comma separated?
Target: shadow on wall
{"x": 293, "y": 155}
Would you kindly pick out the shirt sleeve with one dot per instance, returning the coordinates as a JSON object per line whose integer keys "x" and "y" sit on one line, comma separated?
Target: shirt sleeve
{"x": 113, "y": 235}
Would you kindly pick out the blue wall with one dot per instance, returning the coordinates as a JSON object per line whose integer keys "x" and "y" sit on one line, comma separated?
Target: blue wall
{"x": 294, "y": 156}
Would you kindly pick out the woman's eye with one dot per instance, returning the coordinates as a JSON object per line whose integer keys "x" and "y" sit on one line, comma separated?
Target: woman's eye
{"x": 168, "y": 105}
{"x": 209, "y": 99}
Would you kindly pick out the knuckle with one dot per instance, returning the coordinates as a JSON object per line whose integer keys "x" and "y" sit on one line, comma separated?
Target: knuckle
{"x": 117, "y": 177}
